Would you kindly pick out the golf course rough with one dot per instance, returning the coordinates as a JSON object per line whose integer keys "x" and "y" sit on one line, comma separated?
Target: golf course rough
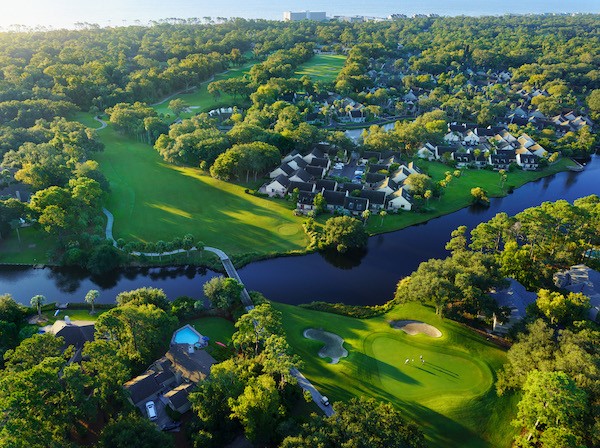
{"x": 334, "y": 344}
{"x": 414, "y": 327}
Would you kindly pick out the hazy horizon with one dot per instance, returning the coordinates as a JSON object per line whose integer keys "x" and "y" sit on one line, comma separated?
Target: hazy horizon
{"x": 66, "y": 13}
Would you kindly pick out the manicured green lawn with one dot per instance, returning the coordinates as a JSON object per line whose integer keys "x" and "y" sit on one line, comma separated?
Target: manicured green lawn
{"x": 33, "y": 248}
{"x": 152, "y": 200}
{"x": 201, "y": 101}
{"x": 322, "y": 67}
{"x": 73, "y": 315}
{"x": 457, "y": 194}
{"x": 216, "y": 328}
{"x": 450, "y": 396}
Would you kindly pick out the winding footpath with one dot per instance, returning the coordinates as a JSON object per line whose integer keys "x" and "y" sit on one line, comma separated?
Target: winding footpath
{"x": 303, "y": 382}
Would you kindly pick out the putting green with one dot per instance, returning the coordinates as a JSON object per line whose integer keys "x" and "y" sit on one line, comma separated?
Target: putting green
{"x": 444, "y": 371}
{"x": 288, "y": 229}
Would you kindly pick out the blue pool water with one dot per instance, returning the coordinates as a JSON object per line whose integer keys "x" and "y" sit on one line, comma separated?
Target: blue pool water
{"x": 186, "y": 336}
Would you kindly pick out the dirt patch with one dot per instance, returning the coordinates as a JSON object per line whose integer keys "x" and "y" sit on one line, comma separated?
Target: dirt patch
{"x": 413, "y": 327}
{"x": 334, "y": 344}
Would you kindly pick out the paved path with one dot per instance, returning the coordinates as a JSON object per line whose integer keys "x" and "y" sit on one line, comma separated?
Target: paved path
{"x": 316, "y": 395}
{"x": 246, "y": 300}
{"x": 103, "y": 123}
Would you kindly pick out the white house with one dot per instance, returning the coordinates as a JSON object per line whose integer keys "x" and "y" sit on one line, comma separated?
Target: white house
{"x": 388, "y": 186}
{"x": 528, "y": 161}
{"x": 585, "y": 280}
{"x": 427, "y": 151}
{"x": 278, "y": 186}
{"x": 515, "y": 297}
{"x": 282, "y": 170}
{"x": 401, "y": 174}
{"x": 451, "y": 138}
{"x": 400, "y": 200}
{"x": 471, "y": 138}
{"x": 297, "y": 162}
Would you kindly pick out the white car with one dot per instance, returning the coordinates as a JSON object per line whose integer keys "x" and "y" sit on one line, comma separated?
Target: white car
{"x": 338, "y": 166}
{"x": 151, "y": 410}
{"x": 325, "y": 400}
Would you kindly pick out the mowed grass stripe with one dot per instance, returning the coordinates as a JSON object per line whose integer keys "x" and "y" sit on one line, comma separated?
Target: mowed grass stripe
{"x": 322, "y": 67}
{"x": 451, "y": 398}
{"x": 152, "y": 200}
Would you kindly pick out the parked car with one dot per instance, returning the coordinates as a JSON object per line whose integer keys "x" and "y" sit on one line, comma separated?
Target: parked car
{"x": 325, "y": 400}
{"x": 151, "y": 410}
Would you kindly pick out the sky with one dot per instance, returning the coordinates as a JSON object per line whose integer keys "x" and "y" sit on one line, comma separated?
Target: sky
{"x": 65, "y": 13}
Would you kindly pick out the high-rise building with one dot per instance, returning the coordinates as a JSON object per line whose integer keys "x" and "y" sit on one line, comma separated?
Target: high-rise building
{"x": 289, "y": 16}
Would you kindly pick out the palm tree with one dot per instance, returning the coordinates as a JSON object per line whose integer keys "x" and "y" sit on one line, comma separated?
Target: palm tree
{"x": 38, "y": 301}
{"x": 91, "y": 297}
{"x": 365, "y": 216}
{"x": 383, "y": 214}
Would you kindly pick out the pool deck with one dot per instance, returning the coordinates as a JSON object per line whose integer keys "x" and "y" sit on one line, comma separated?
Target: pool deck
{"x": 188, "y": 326}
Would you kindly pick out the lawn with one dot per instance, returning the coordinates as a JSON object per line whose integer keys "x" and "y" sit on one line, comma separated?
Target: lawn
{"x": 457, "y": 194}
{"x": 32, "y": 249}
{"x": 200, "y": 100}
{"x": 153, "y": 200}
{"x": 216, "y": 328}
{"x": 73, "y": 315}
{"x": 322, "y": 67}
{"x": 450, "y": 396}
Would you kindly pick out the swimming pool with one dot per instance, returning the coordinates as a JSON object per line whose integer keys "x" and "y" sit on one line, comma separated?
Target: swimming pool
{"x": 186, "y": 335}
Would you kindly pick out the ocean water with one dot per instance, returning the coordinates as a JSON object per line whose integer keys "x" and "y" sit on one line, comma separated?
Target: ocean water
{"x": 65, "y": 13}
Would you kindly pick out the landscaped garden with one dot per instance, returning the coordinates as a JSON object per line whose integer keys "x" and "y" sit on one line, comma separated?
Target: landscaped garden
{"x": 322, "y": 67}
{"x": 449, "y": 392}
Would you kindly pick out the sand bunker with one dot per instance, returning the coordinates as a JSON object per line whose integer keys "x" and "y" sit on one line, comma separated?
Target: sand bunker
{"x": 334, "y": 344}
{"x": 413, "y": 327}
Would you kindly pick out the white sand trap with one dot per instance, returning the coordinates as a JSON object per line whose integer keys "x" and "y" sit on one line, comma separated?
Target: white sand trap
{"x": 334, "y": 344}
{"x": 413, "y": 327}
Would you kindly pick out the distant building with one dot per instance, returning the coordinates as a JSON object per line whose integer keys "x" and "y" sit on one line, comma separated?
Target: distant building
{"x": 289, "y": 16}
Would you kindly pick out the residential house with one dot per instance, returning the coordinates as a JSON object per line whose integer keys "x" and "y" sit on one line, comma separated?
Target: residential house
{"x": 301, "y": 186}
{"x": 74, "y": 335}
{"x": 177, "y": 398}
{"x": 427, "y": 151}
{"x": 401, "y": 174}
{"x": 290, "y": 156}
{"x": 452, "y": 138}
{"x": 357, "y": 116}
{"x": 283, "y": 169}
{"x": 369, "y": 155}
{"x": 581, "y": 278}
{"x": 373, "y": 179}
{"x": 502, "y": 159}
{"x": 400, "y": 200}
{"x": 413, "y": 168}
{"x": 517, "y": 299}
{"x": 376, "y": 167}
{"x": 376, "y": 199}
{"x": 356, "y": 205}
{"x": 350, "y": 187}
{"x": 334, "y": 200}
{"x": 306, "y": 201}
{"x": 470, "y": 138}
{"x": 315, "y": 153}
{"x": 325, "y": 184}
{"x": 297, "y": 163}
{"x": 570, "y": 122}
{"x": 300, "y": 175}
{"x": 443, "y": 152}
{"x": 317, "y": 172}
{"x": 388, "y": 186}
{"x": 528, "y": 161}
{"x": 189, "y": 363}
{"x": 278, "y": 186}
{"x": 323, "y": 162}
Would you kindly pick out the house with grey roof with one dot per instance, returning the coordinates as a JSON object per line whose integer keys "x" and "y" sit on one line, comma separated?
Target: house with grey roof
{"x": 517, "y": 299}
{"x": 583, "y": 279}
{"x": 278, "y": 186}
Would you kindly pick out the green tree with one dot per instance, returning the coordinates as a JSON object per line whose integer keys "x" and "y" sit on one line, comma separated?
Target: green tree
{"x": 343, "y": 233}
{"x": 255, "y": 327}
{"x": 91, "y": 297}
{"x": 561, "y": 309}
{"x": 319, "y": 203}
{"x": 132, "y": 430}
{"x": 479, "y": 196}
{"x": 144, "y": 296}
{"x": 223, "y": 292}
{"x": 37, "y": 301}
{"x": 178, "y": 106}
{"x": 31, "y": 351}
{"x": 259, "y": 409}
{"x": 360, "y": 422}
{"x": 550, "y": 400}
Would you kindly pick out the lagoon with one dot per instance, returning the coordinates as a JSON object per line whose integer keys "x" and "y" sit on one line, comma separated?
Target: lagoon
{"x": 368, "y": 279}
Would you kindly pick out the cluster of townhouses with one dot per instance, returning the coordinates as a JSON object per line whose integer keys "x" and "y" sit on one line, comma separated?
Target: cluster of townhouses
{"x": 469, "y": 145}
{"x": 381, "y": 188}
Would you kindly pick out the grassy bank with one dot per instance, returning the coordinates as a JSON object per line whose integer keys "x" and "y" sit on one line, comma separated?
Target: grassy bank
{"x": 457, "y": 194}
{"x": 450, "y": 396}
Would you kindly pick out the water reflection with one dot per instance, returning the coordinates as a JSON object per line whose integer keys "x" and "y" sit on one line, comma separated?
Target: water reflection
{"x": 368, "y": 277}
